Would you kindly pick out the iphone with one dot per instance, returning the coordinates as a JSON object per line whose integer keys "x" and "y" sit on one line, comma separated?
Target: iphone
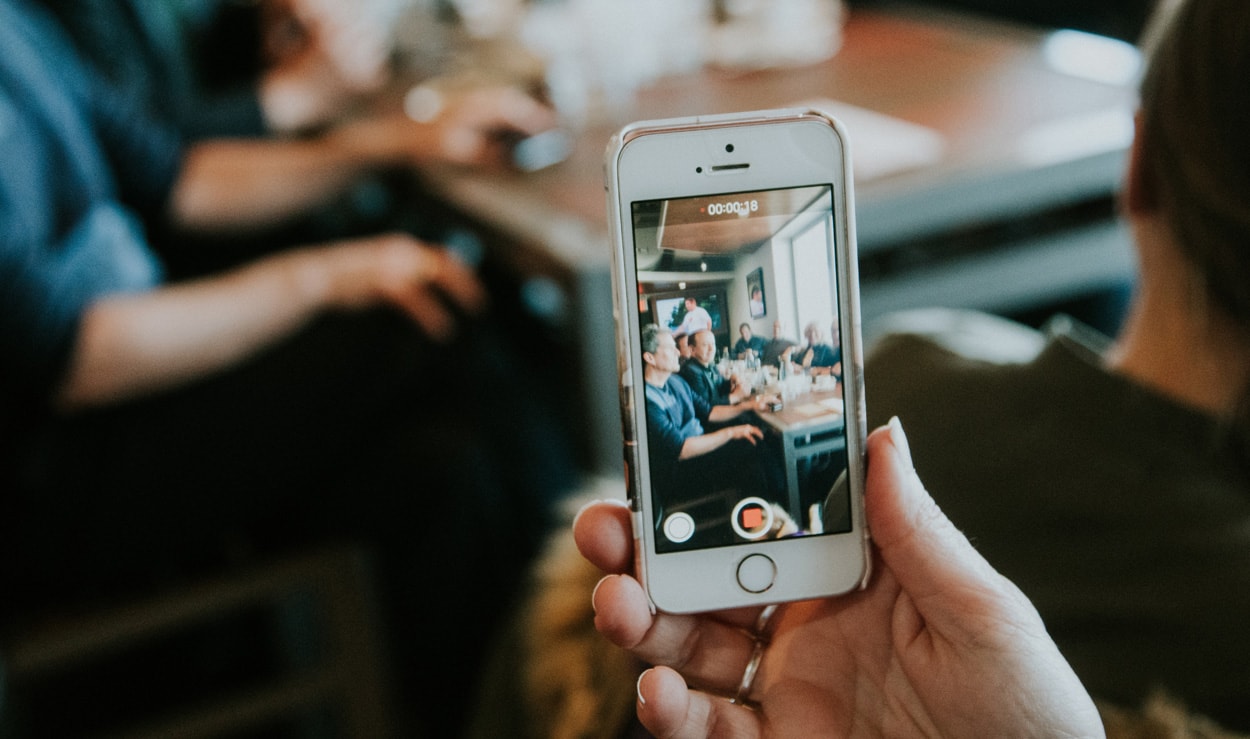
{"x": 738, "y": 342}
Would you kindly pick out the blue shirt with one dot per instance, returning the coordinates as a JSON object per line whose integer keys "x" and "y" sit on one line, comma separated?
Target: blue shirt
{"x": 78, "y": 165}
{"x": 823, "y": 355}
{"x": 755, "y": 342}
{"x": 674, "y": 414}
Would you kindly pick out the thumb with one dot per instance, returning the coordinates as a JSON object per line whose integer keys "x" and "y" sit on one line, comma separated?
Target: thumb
{"x": 918, "y": 543}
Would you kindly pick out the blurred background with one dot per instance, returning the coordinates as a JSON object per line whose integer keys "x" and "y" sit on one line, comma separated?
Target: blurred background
{"x": 988, "y": 137}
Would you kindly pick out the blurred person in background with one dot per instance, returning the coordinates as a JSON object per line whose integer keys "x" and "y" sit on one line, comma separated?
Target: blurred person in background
{"x": 289, "y": 119}
{"x": 816, "y": 356}
{"x": 747, "y": 342}
{"x": 155, "y": 423}
{"x": 1110, "y": 478}
{"x": 779, "y": 348}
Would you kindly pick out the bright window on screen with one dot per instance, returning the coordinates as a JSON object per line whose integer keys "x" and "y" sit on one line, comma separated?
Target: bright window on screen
{"x": 815, "y": 291}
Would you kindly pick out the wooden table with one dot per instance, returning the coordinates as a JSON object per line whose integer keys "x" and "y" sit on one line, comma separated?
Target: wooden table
{"x": 1015, "y": 208}
{"x": 811, "y": 426}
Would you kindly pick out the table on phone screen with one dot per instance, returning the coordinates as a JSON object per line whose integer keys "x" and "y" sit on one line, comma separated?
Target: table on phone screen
{"x": 811, "y": 428}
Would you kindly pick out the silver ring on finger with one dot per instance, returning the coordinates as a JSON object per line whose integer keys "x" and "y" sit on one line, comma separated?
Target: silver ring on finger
{"x": 748, "y": 675}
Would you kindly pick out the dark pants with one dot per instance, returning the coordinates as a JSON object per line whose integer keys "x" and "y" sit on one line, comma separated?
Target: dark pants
{"x": 709, "y": 485}
{"x": 438, "y": 457}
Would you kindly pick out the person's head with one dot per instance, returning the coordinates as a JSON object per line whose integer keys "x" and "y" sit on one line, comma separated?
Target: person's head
{"x": 703, "y": 347}
{"x": 659, "y": 350}
{"x": 1192, "y": 165}
{"x": 757, "y": 294}
{"x": 1187, "y": 196}
{"x": 776, "y": 329}
{"x": 811, "y": 332}
{"x": 682, "y": 341}
{"x": 691, "y": 304}
{"x": 745, "y": 331}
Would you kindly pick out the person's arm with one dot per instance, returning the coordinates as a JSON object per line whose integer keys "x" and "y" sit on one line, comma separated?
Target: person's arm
{"x": 244, "y": 183}
{"x": 705, "y": 443}
{"x": 737, "y": 392}
{"x": 722, "y": 413}
{"x": 237, "y": 184}
{"x": 938, "y": 644}
{"x": 133, "y": 344}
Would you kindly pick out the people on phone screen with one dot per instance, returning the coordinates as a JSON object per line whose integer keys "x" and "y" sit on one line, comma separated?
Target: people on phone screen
{"x": 704, "y": 376}
{"x": 698, "y": 470}
{"x": 696, "y": 319}
{"x": 747, "y": 341}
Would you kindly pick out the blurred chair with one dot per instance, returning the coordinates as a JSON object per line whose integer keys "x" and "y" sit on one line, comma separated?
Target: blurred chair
{"x": 312, "y": 617}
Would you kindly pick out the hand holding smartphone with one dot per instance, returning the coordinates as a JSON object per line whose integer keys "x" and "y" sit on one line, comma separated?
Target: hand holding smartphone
{"x": 727, "y": 230}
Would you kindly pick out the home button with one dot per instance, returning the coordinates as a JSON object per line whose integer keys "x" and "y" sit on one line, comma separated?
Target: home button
{"x": 756, "y": 573}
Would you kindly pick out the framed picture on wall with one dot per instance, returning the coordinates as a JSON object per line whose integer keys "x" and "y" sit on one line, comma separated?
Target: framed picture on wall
{"x": 755, "y": 293}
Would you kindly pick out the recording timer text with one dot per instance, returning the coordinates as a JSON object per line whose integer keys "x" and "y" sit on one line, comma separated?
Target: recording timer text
{"x": 736, "y": 207}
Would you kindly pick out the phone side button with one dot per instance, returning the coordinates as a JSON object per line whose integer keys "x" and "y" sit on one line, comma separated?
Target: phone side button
{"x": 756, "y": 573}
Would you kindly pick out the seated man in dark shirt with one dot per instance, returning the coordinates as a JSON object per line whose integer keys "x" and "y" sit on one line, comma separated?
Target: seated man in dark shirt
{"x": 779, "y": 347}
{"x": 689, "y": 463}
{"x": 817, "y": 357}
{"x": 703, "y": 377}
{"x": 747, "y": 342}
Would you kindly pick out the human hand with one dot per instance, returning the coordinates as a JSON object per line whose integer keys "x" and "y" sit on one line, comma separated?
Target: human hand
{"x": 783, "y": 524}
{"x": 937, "y": 644}
{"x": 763, "y": 401}
{"x": 471, "y": 127}
{"x": 424, "y": 282}
{"x": 738, "y": 393}
{"x": 745, "y": 432}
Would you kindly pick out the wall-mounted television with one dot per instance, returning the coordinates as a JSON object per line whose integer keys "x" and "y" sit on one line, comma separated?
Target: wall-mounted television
{"x": 669, "y": 309}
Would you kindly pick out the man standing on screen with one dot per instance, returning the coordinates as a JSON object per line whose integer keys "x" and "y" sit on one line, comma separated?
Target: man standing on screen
{"x": 688, "y": 463}
{"x": 704, "y": 379}
{"x": 696, "y": 319}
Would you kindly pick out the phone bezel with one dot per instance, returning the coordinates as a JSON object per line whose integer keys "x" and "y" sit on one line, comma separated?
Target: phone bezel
{"x": 786, "y": 148}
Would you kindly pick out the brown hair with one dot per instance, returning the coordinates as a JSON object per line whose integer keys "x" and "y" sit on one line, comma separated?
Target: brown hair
{"x": 1195, "y": 108}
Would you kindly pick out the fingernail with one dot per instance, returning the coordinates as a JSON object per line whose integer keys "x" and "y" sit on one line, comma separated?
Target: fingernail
{"x": 899, "y": 438}
{"x": 595, "y": 592}
{"x": 582, "y": 510}
{"x": 638, "y": 687}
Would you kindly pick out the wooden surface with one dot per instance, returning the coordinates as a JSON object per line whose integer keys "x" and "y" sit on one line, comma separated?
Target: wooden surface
{"x": 983, "y": 89}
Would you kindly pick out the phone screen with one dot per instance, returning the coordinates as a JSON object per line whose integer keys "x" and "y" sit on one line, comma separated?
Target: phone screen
{"x": 738, "y": 299}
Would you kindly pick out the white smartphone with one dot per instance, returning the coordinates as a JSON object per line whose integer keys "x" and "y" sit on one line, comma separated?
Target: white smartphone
{"x": 734, "y": 235}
